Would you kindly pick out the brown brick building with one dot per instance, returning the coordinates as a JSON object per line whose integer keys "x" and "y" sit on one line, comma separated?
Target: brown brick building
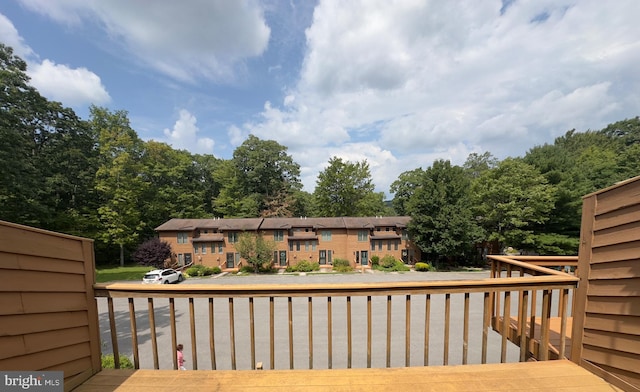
{"x": 211, "y": 242}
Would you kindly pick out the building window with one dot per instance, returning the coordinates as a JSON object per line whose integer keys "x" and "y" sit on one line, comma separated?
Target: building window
{"x": 180, "y": 259}
{"x": 326, "y": 235}
{"x": 220, "y": 247}
{"x": 278, "y": 235}
{"x": 196, "y": 248}
{"x": 395, "y": 244}
{"x": 389, "y": 245}
{"x": 232, "y": 237}
{"x": 183, "y": 238}
{"x": 363, "y": 235}
{"x": 405, "y": 235}
{"x": 380, "y": 245}
{"x": 298, "y": 246}
{"x": 313, "y": 245}
{"x": 204, "y": 249}
{"x": 290, "y": 246}
{"x": 373, "y": 246}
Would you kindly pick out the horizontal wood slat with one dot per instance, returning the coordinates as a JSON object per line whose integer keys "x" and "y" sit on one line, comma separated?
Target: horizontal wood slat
{"x": 617, "y": 197}
{"x": 616, "y": 252}
{"x": 615, "y": 270}
{"x": 39, "y": 263}
{"x": 612, "y": 358}
{"x": 613, "y": 322}
{"x": 20, "y": 324}
{"x": 614, "y": 305}
{"x": 629, "y": 287}
{"x": 46, "y": 359}
{"x": 39, "y": 281}
{"x": 616, "y": 235}
{"x": 10, "y": 303}
{"x": 22, "y": 240}
{"x": 617, "y": 217}
{"x": 15, "y": 346}
{"x": 612, "y": 340}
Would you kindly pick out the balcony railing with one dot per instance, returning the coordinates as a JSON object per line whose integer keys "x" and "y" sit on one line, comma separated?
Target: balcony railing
{"x": 340, "y": 325}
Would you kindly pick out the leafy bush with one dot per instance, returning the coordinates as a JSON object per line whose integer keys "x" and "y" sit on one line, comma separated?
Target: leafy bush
{"x": 388, "y": 262}
{"x": 247, "y": 269}
{"x": 342, "y": 265}
{"x": 109, "y": 363}
{"x": 307, "y": 266}
{"x": 423, "y": 267}
{"x": 153, "y": 253}
{"x": 375, "y": 260}
{"x": 201, "y": 270}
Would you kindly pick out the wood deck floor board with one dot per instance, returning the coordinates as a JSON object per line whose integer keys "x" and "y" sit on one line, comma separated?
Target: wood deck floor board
{"x": 559, "y": 375}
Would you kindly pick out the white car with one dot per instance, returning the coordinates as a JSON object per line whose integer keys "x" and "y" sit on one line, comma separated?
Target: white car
{"x": 164, "y": 276}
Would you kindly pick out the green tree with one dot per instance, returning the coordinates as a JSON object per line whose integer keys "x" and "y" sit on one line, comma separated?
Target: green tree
{"x": 404, "y": 188}
{"x": 256, "y": 250}
{"x": 263, "y": 172}
{"x": 442, "y": 223}
{"x": 476, "y": 164}
{"x": 118, "y": 179}
{"x": 510, "y": 201}
{"x": 346, "y": 189}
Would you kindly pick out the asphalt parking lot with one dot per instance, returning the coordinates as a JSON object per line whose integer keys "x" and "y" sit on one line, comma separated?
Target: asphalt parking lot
{"x": 302, "y": 354}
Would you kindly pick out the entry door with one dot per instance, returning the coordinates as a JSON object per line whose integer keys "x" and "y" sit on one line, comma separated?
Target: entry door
{"x": 230, "y": 260}
{"x": 364, "y": 257}
{"x": 322, "y": 257}
{"x": 283, "y": 258}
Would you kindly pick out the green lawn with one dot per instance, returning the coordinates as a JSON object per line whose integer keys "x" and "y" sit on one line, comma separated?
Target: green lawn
{"x": 133, "y": 273}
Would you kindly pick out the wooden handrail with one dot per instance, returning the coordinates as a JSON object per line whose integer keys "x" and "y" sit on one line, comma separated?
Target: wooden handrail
{"x": 492, "y": 289}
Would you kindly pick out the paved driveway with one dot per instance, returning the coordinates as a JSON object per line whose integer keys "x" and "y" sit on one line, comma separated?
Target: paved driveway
{"x": 301, "y": 326}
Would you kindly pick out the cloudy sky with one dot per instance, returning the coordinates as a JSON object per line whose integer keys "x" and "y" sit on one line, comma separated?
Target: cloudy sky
{"x": 398, "y": 83}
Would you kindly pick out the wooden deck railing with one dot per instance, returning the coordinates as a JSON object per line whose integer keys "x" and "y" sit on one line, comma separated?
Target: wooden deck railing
{"x": 332, "y": 325}
{"x": 530, "y": 315}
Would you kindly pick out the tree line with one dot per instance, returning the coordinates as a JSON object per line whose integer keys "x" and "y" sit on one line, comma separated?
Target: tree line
{"x": 96, "y": 178}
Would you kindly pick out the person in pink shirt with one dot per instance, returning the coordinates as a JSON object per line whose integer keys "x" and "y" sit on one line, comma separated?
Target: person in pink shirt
{"x": 180, "y": 358}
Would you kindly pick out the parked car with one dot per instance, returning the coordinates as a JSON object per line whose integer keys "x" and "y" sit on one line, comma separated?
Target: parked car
{"x": 164, "y": 276}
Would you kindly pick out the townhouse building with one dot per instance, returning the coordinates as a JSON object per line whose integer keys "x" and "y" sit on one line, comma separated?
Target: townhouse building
{"x": 211, "y": 242}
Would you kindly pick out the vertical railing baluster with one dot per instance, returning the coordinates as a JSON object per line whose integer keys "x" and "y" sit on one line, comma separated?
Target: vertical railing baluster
{"x": 465, "y": 332}
{"x": 232, "y": 334}
{"x": 506, "y": 322}
{"x": 114, "y": 334}
{"x": 134, "y": 335}
{"x": 532, "y": 318}
{"x": 329, "y": 335}
{"x": 290, "y": 307}
{"x": 349, "y": 342}
{"x": 172, "y": 321}
{"x": 272, "y": 356}
{"x": 194, "y": 344}
{"x": 563, "y": 322}
{"x": 488, "y": 303}
{"x": 447, "y": 318}
{"x": 522, "y": 325}
{"x": 368, "y": 331}
{"x": 407, "y": 333}
{"x": 544, "y": 325}
{"x": 252, "y": 332}
{"x": 427, "y": 321}
{"x": 561, "y": 303}
{"x": 310, "y": 333}
{"x": 388, "y": 331}
{"x": 152, "y": 329}
{"x": 212, "y": 342}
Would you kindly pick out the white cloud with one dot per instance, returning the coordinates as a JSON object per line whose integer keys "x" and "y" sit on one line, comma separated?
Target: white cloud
{"x": 184, "y": 135}
{"x": 12, "y": 38}
{"x": 71, "y": 86}
{"x": 207, "y": 39}
{"x": 424, "y": 80}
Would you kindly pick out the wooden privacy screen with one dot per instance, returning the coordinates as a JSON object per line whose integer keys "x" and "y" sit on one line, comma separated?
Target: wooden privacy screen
{"x": 607, "y": 318}
{"x": 48, "y": 314}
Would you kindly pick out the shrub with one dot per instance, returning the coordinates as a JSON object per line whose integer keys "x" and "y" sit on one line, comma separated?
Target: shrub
{"x": 342, "y": 265}
{"x": 423, "y": 267}
{"x": 109, "y": 363}
{"x": 307, "y": 266}
{"x": 247, "y": 269}
{"x": 291, "y": 268}
{"x": 153, "y": 253}
{"x": 399, "y": 266}
{"x": 375, "y": 260}
{"x": 388, "y": 262}
{"x": 201, "y": 270}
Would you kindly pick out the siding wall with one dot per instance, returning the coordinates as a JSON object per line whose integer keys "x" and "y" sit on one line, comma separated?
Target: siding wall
{"x": 609, "y": 292}
{"x": 48, "y": 314}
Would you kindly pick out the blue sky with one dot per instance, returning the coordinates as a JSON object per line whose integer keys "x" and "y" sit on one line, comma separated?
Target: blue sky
{"x": 398, "y": 83}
